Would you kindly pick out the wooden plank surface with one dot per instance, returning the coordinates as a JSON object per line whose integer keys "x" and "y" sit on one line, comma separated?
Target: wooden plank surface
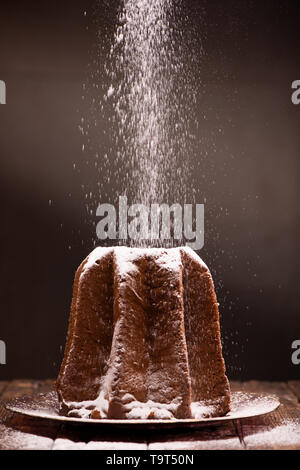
{"x": 100, "y": 438}
{"x": 3, "y": 385}
{"x": 221, "y": 437}
{"x": 278, "y": 430}
{"x": 21, "y": 433}
{"x": 295, "y": 387}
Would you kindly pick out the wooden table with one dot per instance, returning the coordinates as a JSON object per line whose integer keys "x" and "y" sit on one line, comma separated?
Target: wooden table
{"x": 278, "y": 430}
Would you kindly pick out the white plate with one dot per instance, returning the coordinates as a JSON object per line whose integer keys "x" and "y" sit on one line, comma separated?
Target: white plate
{"x": 46, "y": 406}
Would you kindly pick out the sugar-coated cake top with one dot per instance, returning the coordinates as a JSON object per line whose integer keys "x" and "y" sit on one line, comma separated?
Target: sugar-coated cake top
{"x": 126, "y": 255}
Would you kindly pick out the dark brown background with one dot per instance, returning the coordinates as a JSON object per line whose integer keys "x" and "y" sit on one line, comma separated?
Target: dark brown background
{"x": 249, "y": 178}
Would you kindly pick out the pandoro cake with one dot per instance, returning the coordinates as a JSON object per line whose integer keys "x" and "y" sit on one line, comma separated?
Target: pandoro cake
{"x": 144, "y": 338}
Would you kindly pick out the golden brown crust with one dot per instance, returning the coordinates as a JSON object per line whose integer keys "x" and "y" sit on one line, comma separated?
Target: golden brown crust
{"x": 207, "y": 367}
{"x": 90, "y": 332}
{"x": 144, "y": 338}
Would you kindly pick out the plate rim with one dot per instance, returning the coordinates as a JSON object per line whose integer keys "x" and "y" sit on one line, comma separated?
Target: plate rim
{"x": 11, "y": 407}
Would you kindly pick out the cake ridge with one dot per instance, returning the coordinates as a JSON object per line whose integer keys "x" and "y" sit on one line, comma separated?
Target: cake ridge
{"x": 162, "y": 354}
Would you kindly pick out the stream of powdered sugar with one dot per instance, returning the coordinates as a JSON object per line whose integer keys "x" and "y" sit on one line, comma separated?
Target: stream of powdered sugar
{"x": 142, "y": 117}
{"x": 151, "y": 122}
